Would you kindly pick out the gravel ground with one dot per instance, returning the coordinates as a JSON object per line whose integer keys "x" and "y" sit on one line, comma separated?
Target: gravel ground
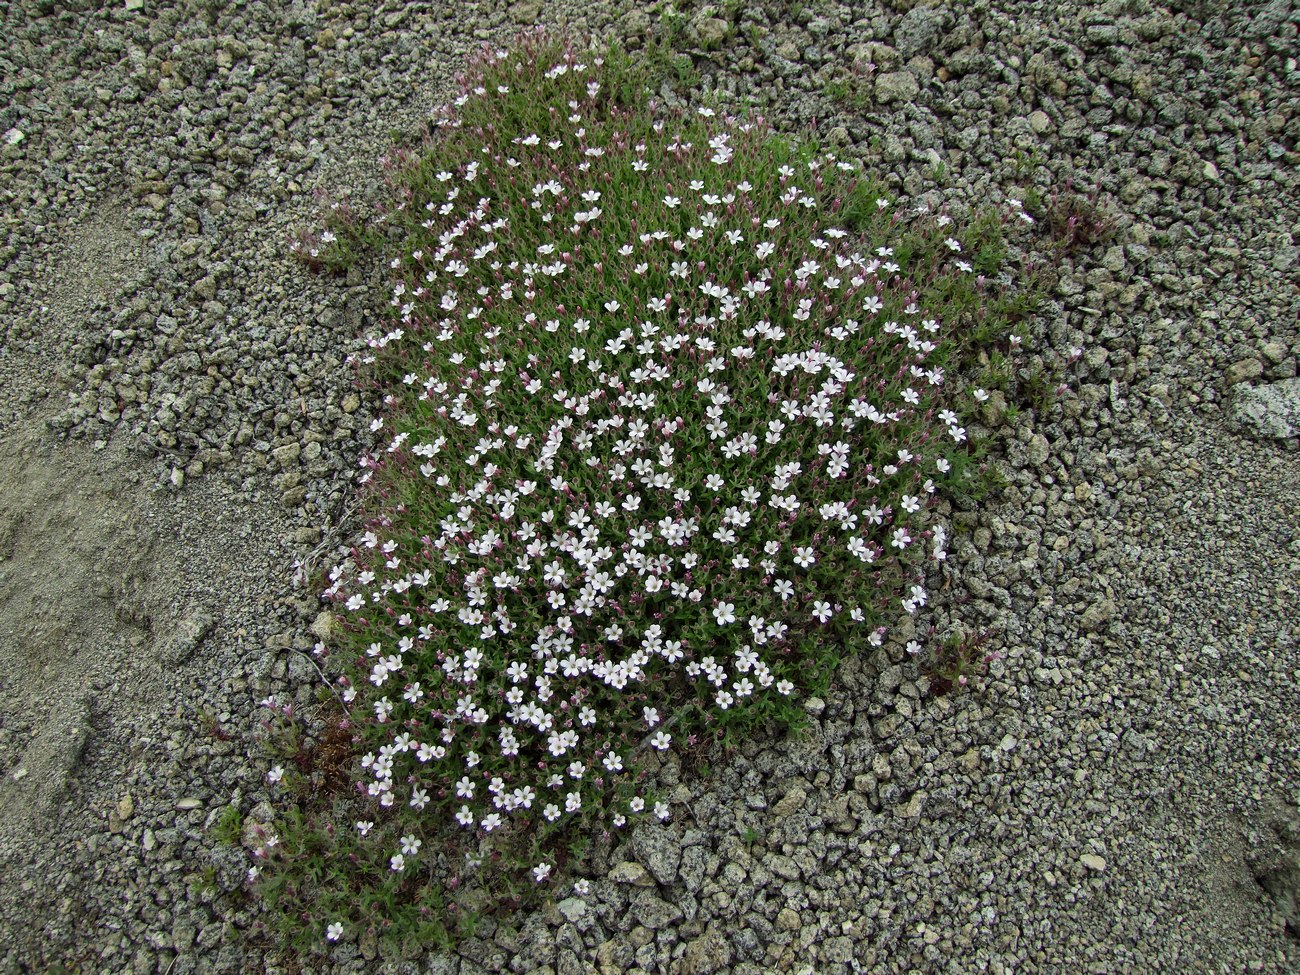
{"x": 1121, "y": 793}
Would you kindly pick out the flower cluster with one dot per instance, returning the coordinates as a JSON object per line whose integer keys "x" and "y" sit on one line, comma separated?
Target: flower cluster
{"x": 667, "y": 412}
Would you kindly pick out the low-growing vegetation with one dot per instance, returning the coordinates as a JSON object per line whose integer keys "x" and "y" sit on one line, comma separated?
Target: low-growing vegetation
{"x": 669, "y": 405}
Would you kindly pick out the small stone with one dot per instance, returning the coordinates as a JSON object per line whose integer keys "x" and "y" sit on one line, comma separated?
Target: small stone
{"x": 896, "y": 86}
{"x": 657, "y": 848}
{"x": 188, "y": 803}
{"x": 994, "y": 409}
{"x": 631, "y": 872}
{"x": 1243, "y": 371}
{"x": 1103, "y": 33}
{"x": 1274, "y": 352}
{"x": 653, "y": 912}
{"x": 711, "y": 952}
{"x": 1039, "y": 122}
{"x": 1271, "y": 411}
{"x": 1037, "y": 450}
{"x": 1096, "y": 616}
{"x": 613, "y": 956}
{"x": 133, "y": 5}
{"x": 351, "y": 403}
{"x": 890, "y": 678}
{"x": 1093, "y": 862}
{"x": 150, "y": 842}
{"x": 322, "y": 627}
{"x": 189, "y": 633}
{"x": 921, "y": 28}
{"x": 783, "y": 866}
{"x": 14, "y": 136}
{"x": 287, "y": 455}
{"x": 574, "y": 909}
{"x": 526, "y": 11}
{"x": 814, "y": 706}
{"x": 125, "y": 807}
{"x": 368, "y": 944}
{"x": 788, "y": 920}
{"x": 711, "y": 31}
{"x": 790, "y": 804}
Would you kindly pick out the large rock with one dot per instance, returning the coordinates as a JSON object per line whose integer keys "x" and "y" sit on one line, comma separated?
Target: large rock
{"x": 1271, "y": 411}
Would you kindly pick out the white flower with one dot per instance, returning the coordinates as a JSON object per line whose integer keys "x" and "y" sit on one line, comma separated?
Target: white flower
{"x": 334, "y": 932}
{"x": 541, "y": 872}
{"x": 275, "y": 775}
{"x": 661, "y": 740}
{"x": 411, "y": 845}
{"x": 725, "y": 613}
{"x": 397, "y": 863}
